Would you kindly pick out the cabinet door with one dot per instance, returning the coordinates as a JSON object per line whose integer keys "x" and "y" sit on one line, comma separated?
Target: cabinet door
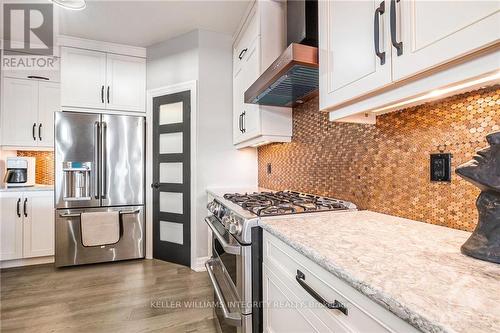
{"x": 348, "y": 62}
{"x": 250, "y": 72}
{"x": 19, "y": 112}
{"x": 38, "y": 212}
{"x": 11, "y": 226}
{"x": 126, "y": 83}
{"x": 237, "y": 108}
{"x": 435, "y": 32}
{"x": 49, "y": 98}
{"x": 83, "y": 78}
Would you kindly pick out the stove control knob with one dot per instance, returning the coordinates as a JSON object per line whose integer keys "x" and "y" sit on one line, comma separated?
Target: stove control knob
{"x": 210, "y": 207}
{"x": 226, "y": 221}
{"x": 234, "y": 228}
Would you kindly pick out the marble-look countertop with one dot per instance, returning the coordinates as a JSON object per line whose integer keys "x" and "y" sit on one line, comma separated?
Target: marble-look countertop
{"x": 413, "y": 269}
{"x": 37, "y": 187}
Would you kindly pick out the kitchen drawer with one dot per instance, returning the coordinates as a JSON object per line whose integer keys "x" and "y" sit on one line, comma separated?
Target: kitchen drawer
{"x": 288, "y": 310}
{"x": 363, "y": 314}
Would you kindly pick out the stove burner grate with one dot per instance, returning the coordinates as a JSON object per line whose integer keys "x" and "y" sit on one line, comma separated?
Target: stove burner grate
{"x": 284, "y": 202}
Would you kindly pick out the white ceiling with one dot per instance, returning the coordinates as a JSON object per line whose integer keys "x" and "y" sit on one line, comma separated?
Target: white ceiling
{"x": 144, "y": 23}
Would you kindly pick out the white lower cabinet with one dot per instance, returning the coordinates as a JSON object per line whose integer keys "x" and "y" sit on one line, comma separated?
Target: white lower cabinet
{"x": 290, "y": 306}
{"x": 27, "y": 224}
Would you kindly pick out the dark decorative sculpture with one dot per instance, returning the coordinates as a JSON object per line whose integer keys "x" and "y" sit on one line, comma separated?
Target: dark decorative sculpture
{"x": 484, "y": 172}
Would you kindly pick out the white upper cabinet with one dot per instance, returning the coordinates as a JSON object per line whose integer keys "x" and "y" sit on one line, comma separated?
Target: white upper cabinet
{"x": 83, "y": 78}
{"x": 260, "y": 42}
{"x": 19, "y": 112}
{"x": 49, "y": 101}
{"x": 354, "y": 55}
{"x": 435, "y": 32}
{"x": 28, "y": 113}
{"x": 376, "y": 54}
{"x": 126, "y": 78}
{"x": 100, "y": 80}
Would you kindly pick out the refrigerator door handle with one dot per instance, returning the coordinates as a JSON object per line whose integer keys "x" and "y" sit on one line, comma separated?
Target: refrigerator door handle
{"x": 104, "y": 188}
{"x": 96, "y": 159}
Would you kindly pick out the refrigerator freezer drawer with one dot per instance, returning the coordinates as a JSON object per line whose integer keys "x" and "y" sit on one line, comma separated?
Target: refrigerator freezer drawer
{"x": 70, "y": 250}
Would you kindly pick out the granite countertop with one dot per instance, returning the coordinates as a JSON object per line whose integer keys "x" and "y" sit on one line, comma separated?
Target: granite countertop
{"x": 37, "y": 187}
{"x": 413, "y": 269}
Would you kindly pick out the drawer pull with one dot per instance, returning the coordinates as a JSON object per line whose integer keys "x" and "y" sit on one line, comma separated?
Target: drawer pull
{"x": 336, "y": 305}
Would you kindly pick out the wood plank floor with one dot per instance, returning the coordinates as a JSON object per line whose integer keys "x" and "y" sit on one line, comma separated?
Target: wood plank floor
{"x": 129, "y": 296}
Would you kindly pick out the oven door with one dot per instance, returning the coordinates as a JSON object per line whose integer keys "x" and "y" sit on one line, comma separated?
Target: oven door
{"x": 230, "y": 273}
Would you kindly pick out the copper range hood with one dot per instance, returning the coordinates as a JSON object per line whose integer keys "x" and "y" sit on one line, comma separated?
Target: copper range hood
{"x": 292, "y": 79}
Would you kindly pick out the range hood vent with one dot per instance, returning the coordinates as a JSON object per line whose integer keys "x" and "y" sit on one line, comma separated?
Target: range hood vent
{"x": 292, "y": 79}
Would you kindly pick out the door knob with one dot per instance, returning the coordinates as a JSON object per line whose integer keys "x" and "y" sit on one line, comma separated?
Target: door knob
{"x": 155, "y": 185}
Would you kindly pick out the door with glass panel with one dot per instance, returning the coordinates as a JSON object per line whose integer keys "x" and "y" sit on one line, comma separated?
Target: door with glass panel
{"x": 171, "y": 178}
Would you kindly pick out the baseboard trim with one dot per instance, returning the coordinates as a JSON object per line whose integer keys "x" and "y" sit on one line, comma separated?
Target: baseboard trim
{"x": 199, "y": 264}
{"x": 26, "y": 262}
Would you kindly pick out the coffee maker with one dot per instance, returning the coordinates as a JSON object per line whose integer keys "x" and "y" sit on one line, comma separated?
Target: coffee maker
{"x": 20, "y": 171}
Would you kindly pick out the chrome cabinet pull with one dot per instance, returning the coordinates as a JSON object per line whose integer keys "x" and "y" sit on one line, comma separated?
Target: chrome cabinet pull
{"x": 231, "y": 318}
{"x": 336, "y": 305}
{"x": 395, "y": 43}
{"x": 376, "y": 32}
{"x": 243, "y": 116}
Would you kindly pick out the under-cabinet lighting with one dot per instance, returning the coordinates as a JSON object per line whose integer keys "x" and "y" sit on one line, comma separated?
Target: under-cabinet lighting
{"x": 260, "y": 144}
{"x": 71, "y": 4}
{"x": 443, "y": 92}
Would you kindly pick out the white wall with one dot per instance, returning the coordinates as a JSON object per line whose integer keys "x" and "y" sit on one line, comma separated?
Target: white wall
{"x": 206, "y": 57}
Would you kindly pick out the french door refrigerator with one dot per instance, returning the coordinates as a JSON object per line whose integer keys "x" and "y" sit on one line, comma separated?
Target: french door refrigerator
{"x": 99, "y": 167}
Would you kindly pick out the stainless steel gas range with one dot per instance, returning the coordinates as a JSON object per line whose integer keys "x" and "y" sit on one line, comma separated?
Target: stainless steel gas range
{"x": 235, "y": 268}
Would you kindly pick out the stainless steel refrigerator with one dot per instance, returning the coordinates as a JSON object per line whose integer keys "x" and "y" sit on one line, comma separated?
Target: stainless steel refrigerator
{"x": 99, "y": 167}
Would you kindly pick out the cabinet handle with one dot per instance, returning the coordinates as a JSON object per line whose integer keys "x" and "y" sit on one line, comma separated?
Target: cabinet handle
{"x": 24, "y": 207}
{"x": 33, "y": 131}
{"x": 376, "y": 32}
{"x": 336, "y": 305}
{"x": 40, "y": 131}
{"x": 242, "y": 53}
{"x": 239, "y": 122}
{"x": 18, "y": 207}
{"x": 243, "y": 116}
{"x": 395, "y": 43}
{"x": 38, "y": 77}
{"x": 107, "y": 94}
{"x": 102, "y": 94}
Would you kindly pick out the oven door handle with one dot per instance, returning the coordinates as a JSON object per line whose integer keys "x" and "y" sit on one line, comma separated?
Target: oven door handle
{"x": 231, "y": 249}
{"x": 231, "y": 318}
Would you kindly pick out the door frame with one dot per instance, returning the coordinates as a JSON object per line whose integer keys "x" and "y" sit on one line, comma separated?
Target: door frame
{"x": 152, "y": 93}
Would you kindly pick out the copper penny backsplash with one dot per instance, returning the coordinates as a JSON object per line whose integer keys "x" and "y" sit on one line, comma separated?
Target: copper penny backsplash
{"x": 44, "y": 165}
{"x": 385, "y": 167}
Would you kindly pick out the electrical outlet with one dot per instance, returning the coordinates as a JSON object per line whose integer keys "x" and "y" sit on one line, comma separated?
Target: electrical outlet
{"x": 440, "y": 167}
{"x": 269, "y": 168}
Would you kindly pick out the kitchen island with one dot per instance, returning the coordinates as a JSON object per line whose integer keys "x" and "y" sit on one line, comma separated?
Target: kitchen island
{"x": 413, "y": 269}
